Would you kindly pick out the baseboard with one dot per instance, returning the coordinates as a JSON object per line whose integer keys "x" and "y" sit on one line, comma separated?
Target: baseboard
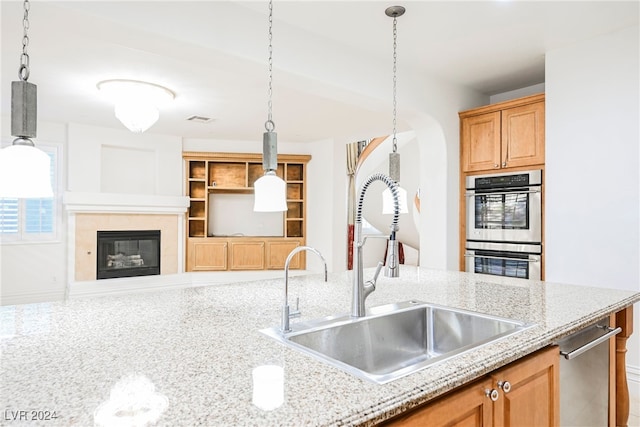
{"x": 633, "y": 380}
{"x": 31, "y": 297}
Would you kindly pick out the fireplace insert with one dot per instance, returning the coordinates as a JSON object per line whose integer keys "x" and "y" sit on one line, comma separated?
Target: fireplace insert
{"x": 128, "y": 253}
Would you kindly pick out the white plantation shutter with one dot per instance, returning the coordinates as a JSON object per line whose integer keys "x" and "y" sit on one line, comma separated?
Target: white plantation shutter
{"x": 32, "y": 219}
{"x": 9, "y": 216}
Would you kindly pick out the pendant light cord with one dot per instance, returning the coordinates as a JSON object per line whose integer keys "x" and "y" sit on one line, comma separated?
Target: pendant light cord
{"x": 395, "y": 57}
{"x": 269, "y": 124}
{"x": 23, "y": 70}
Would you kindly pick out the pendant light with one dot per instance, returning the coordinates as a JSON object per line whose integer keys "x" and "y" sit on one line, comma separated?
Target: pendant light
{"x": 25, "y": 171}
{"x": 270, "y": 190}
{"x": 394, "y": 157}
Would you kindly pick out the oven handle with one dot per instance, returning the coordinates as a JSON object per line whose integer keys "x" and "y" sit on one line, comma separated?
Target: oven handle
{"x": 502, "y": 192}
{"x": 530, "y": 259}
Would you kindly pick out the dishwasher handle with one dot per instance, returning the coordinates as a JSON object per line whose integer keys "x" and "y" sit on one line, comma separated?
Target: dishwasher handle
{"x": 578, "y": 351}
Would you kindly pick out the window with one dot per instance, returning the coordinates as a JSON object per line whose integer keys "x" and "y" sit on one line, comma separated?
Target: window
{"x": 32, "y": 220}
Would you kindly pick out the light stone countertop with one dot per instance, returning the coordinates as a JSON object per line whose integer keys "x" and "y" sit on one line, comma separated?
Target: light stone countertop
{"x": 192, "y": 351}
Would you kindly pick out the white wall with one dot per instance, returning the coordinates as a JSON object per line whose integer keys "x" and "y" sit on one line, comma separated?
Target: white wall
{"x": 592, "y": 167}
{"x": 103, "y": 160}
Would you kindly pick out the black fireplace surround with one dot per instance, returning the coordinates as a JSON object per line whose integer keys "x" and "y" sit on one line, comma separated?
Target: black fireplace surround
{"x": 128, "y": 253}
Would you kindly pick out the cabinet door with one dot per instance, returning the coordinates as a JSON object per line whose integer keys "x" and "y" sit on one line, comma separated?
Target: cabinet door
{"x": 206, "y": 255}
{"x": 534, "y": 395}
{"x": 467, "y": 407}
{"x": 523, "y": 135}
{"x": 246, "y": 255}
{"x": 481, "y": 142}
{"x": 278, "y": 251}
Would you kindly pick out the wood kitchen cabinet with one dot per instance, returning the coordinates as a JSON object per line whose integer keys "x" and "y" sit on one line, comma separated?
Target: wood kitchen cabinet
{"x": 206, "y": 255}
{"x": 506, "y": 135}
{"x": 222, "y": 174}
{"x": 525, "y": 393}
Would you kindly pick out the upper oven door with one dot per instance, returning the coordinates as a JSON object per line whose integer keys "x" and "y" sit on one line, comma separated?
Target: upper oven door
{"x": 505, "y": 208}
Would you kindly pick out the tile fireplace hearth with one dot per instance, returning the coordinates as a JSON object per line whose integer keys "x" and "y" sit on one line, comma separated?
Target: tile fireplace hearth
{"x": 128, "y": 253}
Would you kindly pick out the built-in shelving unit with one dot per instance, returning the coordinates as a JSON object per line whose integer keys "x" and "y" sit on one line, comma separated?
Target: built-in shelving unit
{"x": 211, "y": 174}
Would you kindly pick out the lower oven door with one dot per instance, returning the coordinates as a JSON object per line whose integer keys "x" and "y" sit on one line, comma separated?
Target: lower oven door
{"x": 504, "y": 259}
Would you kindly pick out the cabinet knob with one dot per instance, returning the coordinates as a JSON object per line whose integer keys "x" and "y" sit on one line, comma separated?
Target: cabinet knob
{"x": 504, "y": 164}
{"x": 505, "y": 386}
{"x": 492, "y": 394}
{"x": 496, "y": 166}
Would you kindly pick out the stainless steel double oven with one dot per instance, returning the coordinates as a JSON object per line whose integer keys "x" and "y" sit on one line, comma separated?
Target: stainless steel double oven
{"x": 504, "y": 224}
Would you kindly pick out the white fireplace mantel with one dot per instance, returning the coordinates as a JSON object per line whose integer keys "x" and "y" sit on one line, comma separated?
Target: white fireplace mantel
{"x": 79, "y": 202}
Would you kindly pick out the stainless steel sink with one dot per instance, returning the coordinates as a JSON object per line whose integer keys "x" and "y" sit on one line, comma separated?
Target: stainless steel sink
{"x": 395, "y": 340}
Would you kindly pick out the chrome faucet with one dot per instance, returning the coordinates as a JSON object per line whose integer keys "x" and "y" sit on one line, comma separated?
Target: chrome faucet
{"x": 287, "y": 314}
{"x": 361, "y": 290}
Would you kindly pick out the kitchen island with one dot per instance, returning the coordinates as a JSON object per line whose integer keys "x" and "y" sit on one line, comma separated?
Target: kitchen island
{"x": 185, "y": 357}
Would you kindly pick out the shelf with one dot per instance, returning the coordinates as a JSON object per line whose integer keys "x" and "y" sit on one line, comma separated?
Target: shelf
{"x": 225, "y": 178}
{"x": 197, "y": 209}
{"x": 294, "y": 228}
{"x": 254, "y": 171}
{"x": 196, "y": 228}
{"x": 197, "y": 170}
{"x": 295, "y": 172}
{"x": 197, "y": 190}
{"x": 294, "y": 209}
{"x": 294, "y": 191}
{"x": 228, "y": 174}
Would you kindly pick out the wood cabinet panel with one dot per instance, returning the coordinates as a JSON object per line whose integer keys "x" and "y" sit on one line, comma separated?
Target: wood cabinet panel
{"x": 523, "y": 135}
{"x": 246, "y": 255}
{"x": 468, "y": 407}
{"x": 278, "y": 251}
{"x": 207, "y": 255}
{"x": 481, "y": 142}
{"x": 533, "y": 399}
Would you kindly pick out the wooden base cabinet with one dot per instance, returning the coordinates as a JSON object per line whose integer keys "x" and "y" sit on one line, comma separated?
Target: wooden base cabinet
{"x": 524, "y": 393}
{"x": 206, "y": 255}
{"x": 243, "y": 253}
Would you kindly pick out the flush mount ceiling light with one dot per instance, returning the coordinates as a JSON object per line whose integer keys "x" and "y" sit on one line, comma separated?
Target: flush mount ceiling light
{"x": 24, "y": 169}
{"x": 270, "y": 190}
{"x": 394, "y": 157}
{"x": 136, "y": 102}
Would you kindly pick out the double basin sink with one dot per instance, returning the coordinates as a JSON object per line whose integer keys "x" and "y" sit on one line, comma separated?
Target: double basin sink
{"x": 395, "y": 340}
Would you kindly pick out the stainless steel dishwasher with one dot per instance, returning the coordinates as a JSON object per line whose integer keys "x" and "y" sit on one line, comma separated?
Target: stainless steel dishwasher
{"x": 584, "y": 376}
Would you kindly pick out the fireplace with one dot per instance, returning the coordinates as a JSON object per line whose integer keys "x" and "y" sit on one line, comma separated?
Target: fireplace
{"x": 128, "y": 253}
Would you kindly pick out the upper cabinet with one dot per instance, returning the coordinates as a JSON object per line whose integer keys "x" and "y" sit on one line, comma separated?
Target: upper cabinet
{"x": 504, "y": 135}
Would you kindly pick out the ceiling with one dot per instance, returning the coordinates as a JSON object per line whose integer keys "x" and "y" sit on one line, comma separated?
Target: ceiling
{"x": 213, "y": 55}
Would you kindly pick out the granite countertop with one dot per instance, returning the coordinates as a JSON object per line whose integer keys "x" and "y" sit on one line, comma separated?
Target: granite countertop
{"x": 185, "y": 357}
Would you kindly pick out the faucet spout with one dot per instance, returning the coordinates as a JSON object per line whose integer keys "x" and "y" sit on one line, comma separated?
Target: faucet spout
{"x": 361, "y": 289}
{"x": 286, "y": 311}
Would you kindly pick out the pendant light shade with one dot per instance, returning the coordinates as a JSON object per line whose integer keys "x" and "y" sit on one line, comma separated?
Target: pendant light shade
{"x": 135, "y": 102}
{"x": 270, "y": 193}
{"x": 25, "y": 172}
